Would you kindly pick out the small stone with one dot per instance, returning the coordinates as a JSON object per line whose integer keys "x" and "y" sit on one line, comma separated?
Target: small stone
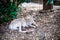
{"x": 22, "y": 37}
{"x": 37, "y": 38}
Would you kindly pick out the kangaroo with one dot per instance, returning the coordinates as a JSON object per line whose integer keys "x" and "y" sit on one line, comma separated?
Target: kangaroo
{"x": 26, "y": 21}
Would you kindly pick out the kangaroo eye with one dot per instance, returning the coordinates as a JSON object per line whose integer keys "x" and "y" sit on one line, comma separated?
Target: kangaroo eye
{"x": 32, "y": 24}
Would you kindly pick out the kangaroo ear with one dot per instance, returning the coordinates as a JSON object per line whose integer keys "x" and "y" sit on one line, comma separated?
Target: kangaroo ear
{"x": 31, "y": 12}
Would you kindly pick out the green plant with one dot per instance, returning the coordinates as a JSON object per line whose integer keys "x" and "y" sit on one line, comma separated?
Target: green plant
{"x": 50, "y": 2}
{"x": 8, "y": 9}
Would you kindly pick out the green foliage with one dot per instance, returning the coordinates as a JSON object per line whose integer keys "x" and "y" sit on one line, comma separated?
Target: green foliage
{"x": 13, "y": 14}
{"x": 5, "y": 18}
{"x": 8, "y": 9}
{"x": 21, "y": 1}
{"x": 50, "y": 2}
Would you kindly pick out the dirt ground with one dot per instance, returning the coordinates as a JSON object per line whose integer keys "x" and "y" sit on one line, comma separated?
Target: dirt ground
{"x": 48, "y": 28}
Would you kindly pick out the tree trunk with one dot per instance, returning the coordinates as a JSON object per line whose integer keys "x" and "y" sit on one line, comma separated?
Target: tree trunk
{"x": 47, "y": 6}
{"x": 16, "y": 2}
